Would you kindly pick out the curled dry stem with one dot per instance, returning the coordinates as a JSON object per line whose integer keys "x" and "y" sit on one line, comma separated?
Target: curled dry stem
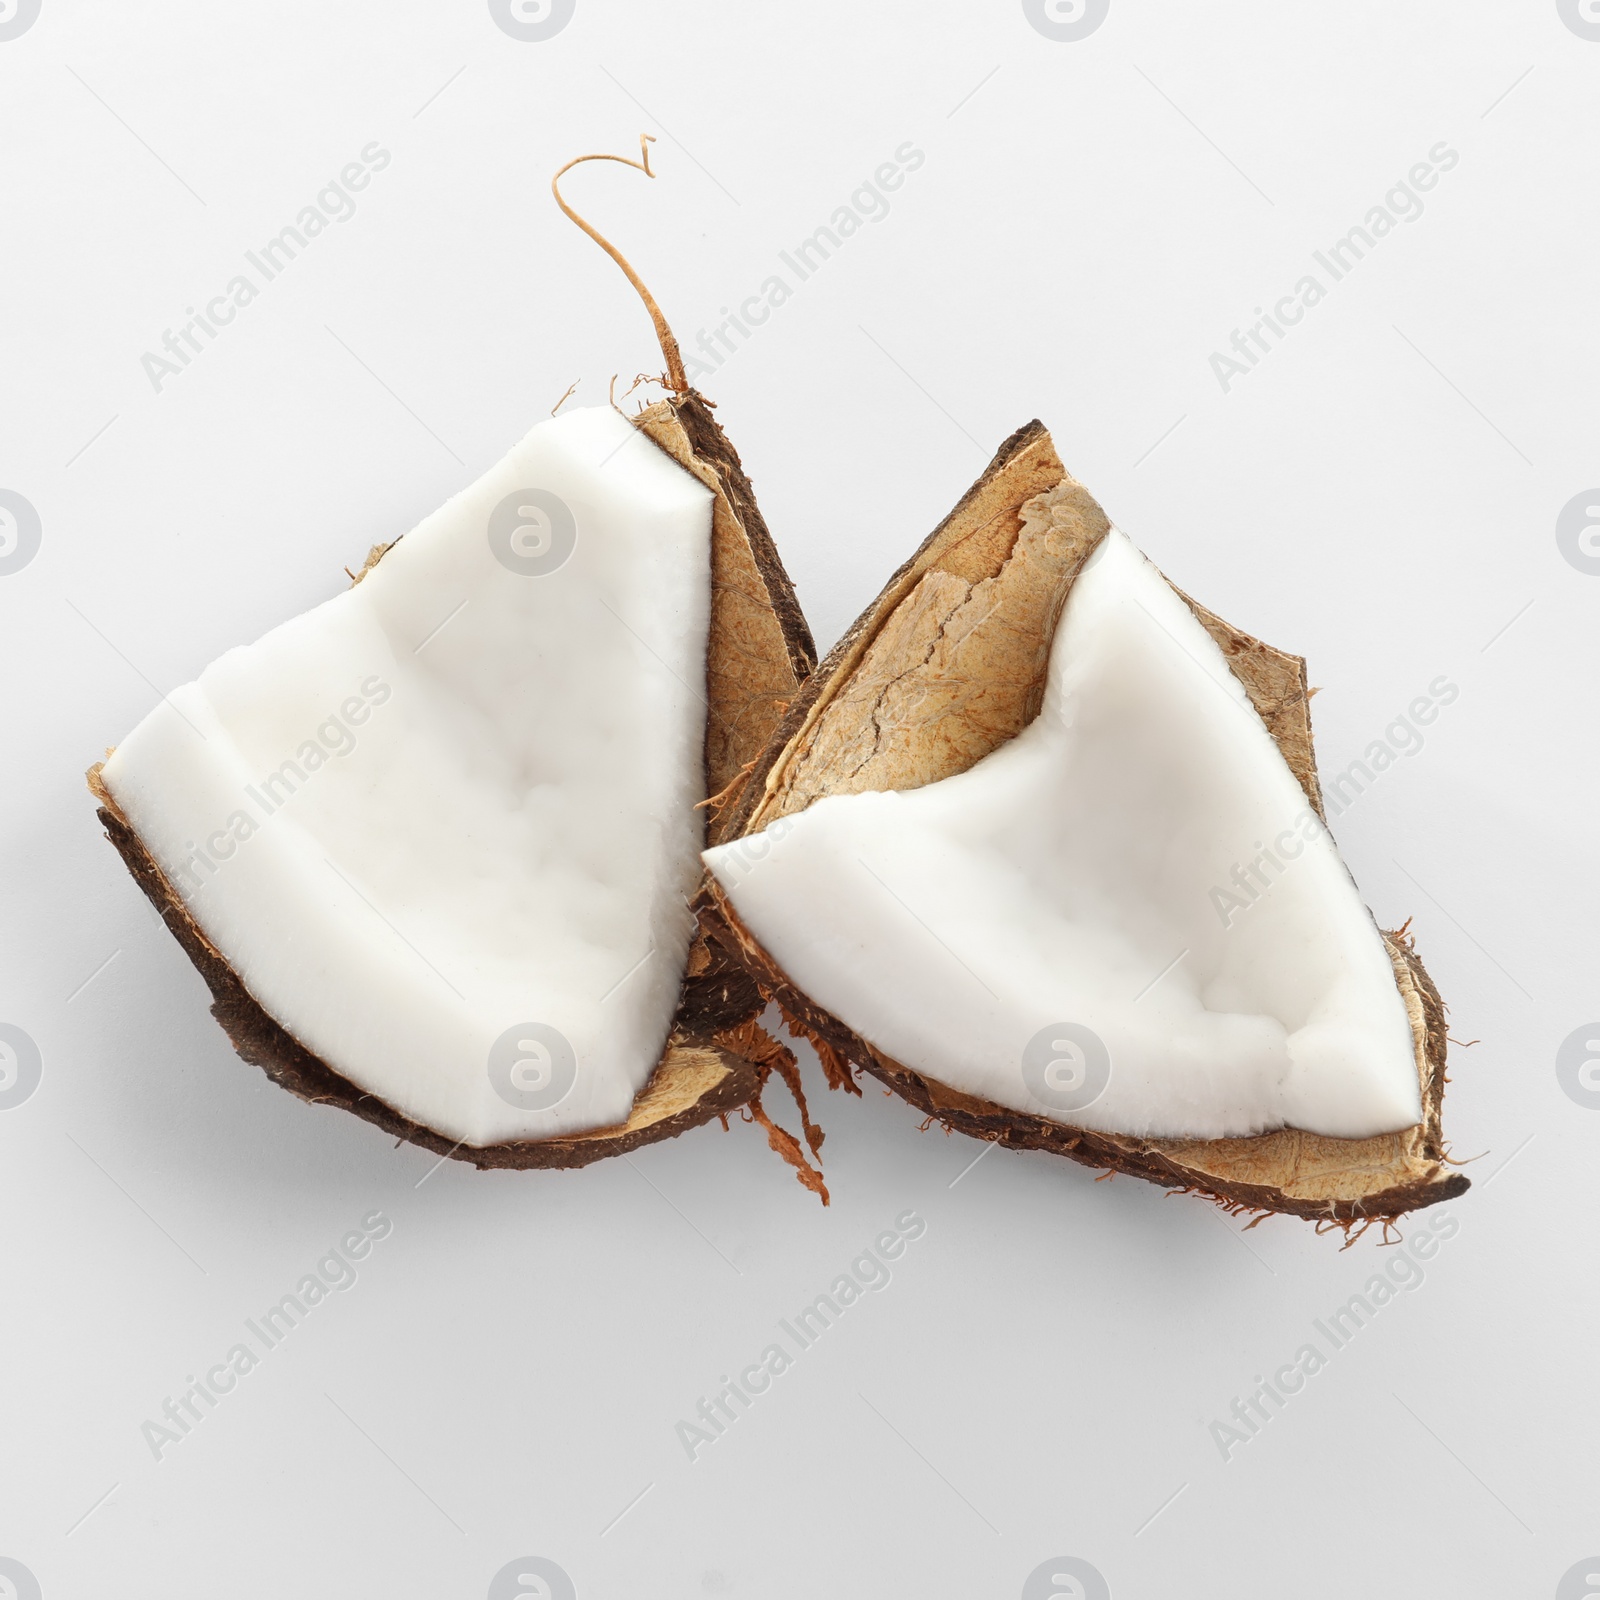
{"x": 677, "y": 382}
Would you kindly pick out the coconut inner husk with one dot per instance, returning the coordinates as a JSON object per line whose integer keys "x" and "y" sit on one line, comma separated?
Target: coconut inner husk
{"x": 760, "y": 649}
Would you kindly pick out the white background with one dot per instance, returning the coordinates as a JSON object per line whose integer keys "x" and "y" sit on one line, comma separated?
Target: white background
{"x": 1092, "y": 221}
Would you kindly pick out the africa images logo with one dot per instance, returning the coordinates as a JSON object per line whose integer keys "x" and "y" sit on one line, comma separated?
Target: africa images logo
{"x": 16, "y": 17}
{"x": 16, "y": 1582}
{"x": 1582, "y": 17}
{"x": 531, "y": 1578}
{"x": 1065, "y": 1578}
{"x": 1581, "y": 1581}
{"x": 1578, "y": 532}
{"x": 1066, "y": 1067}
{"x": 20, "y": 532}
{"x": 1065, "y": 21}
{"x": 532, "y": 21}
{"x": 1578, "y": 1066}
{"x": 532, "y": 1066}
{"x": 532, "y": 532}
{"x": 21, "y": 1068}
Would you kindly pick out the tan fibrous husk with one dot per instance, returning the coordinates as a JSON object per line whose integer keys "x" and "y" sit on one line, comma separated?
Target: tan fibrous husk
{"x": 946, "y": 665}
{"x": 761, "y": 649}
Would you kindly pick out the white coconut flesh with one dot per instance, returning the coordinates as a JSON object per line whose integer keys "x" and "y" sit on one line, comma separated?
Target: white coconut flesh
{"x": 1127, "y": 918}
{"x": 443, "y": 826}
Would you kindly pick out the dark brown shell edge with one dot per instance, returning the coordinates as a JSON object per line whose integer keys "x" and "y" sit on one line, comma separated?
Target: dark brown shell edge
{"x": 720, "y": 999}
{"x": 1016, "y": 1130}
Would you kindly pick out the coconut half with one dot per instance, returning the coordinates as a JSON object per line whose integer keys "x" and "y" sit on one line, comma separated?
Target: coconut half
{"x": 1041, "y": 846}
{"x": 431, "y": 844}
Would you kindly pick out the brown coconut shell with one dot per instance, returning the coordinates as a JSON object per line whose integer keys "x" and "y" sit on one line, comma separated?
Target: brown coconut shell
{"x": 946, "y": 665}
{"x": 717, "y": 1057}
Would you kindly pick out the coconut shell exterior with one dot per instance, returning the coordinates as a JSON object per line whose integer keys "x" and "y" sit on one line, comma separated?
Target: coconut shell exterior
{"x": 946, "y": 665}
{"x": 759, "y": 652}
